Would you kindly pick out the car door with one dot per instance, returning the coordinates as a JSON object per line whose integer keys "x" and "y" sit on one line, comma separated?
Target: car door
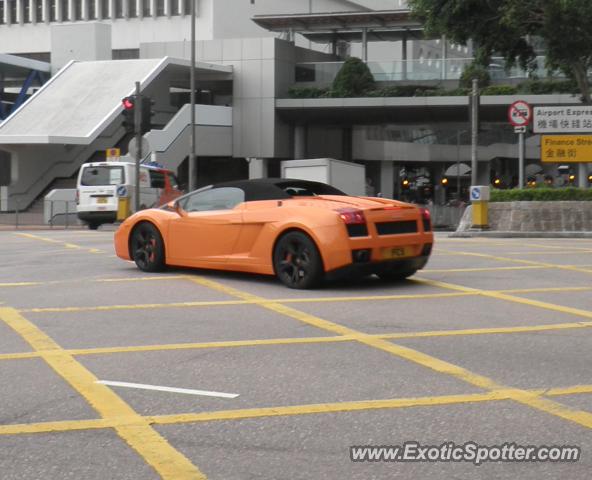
{"x": 208, "y": 229}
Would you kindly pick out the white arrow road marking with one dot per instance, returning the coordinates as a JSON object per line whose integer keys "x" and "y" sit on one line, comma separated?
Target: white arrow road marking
{"x": 168, "y": 389}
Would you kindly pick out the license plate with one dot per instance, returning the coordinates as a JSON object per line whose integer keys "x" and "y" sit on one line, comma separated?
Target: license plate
{"x": 397, "y": 252}
{"x": 102, "y": 200}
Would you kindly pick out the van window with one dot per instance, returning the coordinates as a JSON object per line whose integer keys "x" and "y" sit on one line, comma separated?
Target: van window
{"x": 173, "y": 180}
{"x": 156, "y": 179}
{"x": 102, "y": 175}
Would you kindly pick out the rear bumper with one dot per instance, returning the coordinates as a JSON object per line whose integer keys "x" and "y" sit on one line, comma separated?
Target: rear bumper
{"x": 369, "y": 268}
{"x": 98, "y": 217}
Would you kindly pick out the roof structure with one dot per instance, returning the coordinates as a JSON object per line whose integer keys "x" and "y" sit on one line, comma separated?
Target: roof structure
{"x": 12, "y": 66}
{"x": 380, "y": 24}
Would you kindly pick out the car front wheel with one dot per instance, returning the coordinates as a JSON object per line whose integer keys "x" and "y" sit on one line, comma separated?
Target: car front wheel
{"x": 147, "y": 248}
{"x": 297, "y": 261}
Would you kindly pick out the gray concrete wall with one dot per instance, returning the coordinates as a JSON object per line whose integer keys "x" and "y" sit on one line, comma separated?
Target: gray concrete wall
{"x": 535, "y": 217}
{"x": 263, "y": 67}
{"x": 79, "y": 41}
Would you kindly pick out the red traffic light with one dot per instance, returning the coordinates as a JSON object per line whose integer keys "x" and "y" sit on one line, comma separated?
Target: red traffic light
{"x": 128, "y": 103}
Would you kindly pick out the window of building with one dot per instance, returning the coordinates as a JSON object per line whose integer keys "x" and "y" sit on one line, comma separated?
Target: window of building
{"x": 103, "y": 7}
{"x": 26, "y": 12}
{"x": 65, "y": 12}
{"x": 92, "y": 9}
{"x": 53, "y": 12}
{"x": 13, "y": 17}
{"x": 132, "y": 9}
{"x": 160, "y": 8}
{"x": 146, "y": 8}
{"x": 118, "y": 8}
{"x": 125, "y": 54}
{"x": 187, "y": 7}
{"x": 2, "y": 13}
{"x": 39, "y": 11}
{"x": 175, "y": 7}
{"x": 77, "y": 6}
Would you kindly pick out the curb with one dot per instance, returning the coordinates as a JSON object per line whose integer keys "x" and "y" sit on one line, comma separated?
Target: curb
{"x": 515, "y": 234}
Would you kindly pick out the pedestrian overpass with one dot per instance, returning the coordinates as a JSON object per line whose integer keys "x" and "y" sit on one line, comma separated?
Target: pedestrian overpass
{"x": 76, "y": 115}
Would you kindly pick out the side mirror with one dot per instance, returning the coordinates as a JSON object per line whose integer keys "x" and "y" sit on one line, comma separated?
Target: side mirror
{"x": 177, "y": 207}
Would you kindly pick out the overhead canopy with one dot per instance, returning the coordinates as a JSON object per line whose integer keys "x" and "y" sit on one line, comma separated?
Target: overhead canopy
{"x": 458, "y": 170}
{"x": 381, "y": 24}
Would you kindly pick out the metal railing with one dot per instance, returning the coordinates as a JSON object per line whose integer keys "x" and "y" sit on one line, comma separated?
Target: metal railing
{"x": 426, "y": 69}
{"x": 55, "y": 214}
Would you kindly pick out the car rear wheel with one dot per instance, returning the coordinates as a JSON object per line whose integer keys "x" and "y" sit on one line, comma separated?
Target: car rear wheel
{"x": 147, "y": 248}
{"x": 395, "y": 275}
{"x": 93, "y": 226}
{"x": 297, "y": 261}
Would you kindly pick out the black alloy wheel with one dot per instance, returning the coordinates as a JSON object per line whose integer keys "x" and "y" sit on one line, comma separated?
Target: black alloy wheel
{"x": 297, "y": 261}
{"x": 147, "y": 248}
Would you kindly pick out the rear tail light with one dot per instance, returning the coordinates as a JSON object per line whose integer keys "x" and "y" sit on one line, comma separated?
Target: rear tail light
{"x": 351, "y": 216}
{"x": 427, "y": 219}
{"x": 77, "y": 197}
{"x": 355, "y": 222}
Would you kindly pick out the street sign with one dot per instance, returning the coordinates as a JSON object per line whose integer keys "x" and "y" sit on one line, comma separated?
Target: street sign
{"x": 566, "y": 148}
{"x": 113, "y": 154}
{"x": 519, "y": 129}
{"x": 121, "y": 191}
{"x": 563, "y": 119}
{"x": 519, "y": 113}
{"x": 479, "y": 193}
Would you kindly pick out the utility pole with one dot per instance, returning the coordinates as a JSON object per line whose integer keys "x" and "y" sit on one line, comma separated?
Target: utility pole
{"x": 474, "y": 129}
{"x": 138, "y": 132}
{"x": 192, "y": 168}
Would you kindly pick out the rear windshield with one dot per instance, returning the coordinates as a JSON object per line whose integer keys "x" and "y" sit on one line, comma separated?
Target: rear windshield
{"x": 102, "y": 175}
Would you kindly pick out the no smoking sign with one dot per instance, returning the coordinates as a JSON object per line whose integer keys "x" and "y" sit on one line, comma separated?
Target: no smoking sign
{"x": 520, "y": 113}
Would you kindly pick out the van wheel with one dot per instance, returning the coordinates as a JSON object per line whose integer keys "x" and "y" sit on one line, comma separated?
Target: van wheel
{"x": 147, "y": 248}
{"x": 93, "y": 226}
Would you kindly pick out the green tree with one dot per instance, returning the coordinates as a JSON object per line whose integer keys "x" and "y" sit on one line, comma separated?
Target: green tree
{"x": 353, "y": 79}
{"x": 507, "y": 26}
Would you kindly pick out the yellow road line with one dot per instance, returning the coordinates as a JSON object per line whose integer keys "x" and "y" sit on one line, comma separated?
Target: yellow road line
{"x": 511, "y": 298}
{"x": 521, "y": 396}
{"x": 141, "y": 306}
{"x": 290, "y": 410}
{"x": 525, "y": 262}
{"x": 20, "y": 284}
{"x": 480, "y": 269}
{"x": 307, "y": 340}
{"x": 71, "y": 246}
{"x": 141, "y": 279}
{"x": 138, "y": 434}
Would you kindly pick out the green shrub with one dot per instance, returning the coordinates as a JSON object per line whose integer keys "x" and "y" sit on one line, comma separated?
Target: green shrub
{"x": 542, "y": 194}
{"x": 545, "y": 87}
{"x": 474, "y": 70}
{"x": 308, "y": 92}
{"x": 353, "y": 79}
{"x": 401, "y": 91}
{"x": 500, "y": 90}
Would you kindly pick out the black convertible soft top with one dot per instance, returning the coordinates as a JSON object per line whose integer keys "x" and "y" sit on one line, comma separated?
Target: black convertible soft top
{"x": 279, "y": 188}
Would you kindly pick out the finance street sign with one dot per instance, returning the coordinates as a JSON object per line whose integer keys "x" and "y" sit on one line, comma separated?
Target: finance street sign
{"x": 566, "y": 148}
{"x": 563, "y": 119}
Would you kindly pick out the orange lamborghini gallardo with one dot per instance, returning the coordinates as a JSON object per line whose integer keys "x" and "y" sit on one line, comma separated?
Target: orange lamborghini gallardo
{"x": 298, "y": 230}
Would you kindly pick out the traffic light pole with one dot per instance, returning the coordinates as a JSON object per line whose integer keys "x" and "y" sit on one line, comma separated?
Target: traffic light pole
{"x": 192, "y": 167}
{"x": 138, "y": 132}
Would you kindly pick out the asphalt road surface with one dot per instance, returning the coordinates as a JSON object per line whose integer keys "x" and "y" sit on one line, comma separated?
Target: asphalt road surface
{"x": 110, "y": 373}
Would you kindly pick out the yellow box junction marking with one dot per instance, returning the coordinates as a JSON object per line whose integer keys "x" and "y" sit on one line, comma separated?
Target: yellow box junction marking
{"x": 135, "y": 431}
{"x": 533, "y": 400}
{"x": 68, "y": 245}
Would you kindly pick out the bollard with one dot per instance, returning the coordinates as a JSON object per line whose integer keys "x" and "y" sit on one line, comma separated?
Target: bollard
{"x": 480, "y": 200}
{"x": 123, "y": 208}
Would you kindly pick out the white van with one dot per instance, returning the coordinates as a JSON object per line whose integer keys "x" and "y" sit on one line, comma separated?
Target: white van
{"x": 100, "y": 184}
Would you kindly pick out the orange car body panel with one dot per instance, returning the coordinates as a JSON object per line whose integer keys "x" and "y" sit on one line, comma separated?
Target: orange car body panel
{"x": 243, "y": 239}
